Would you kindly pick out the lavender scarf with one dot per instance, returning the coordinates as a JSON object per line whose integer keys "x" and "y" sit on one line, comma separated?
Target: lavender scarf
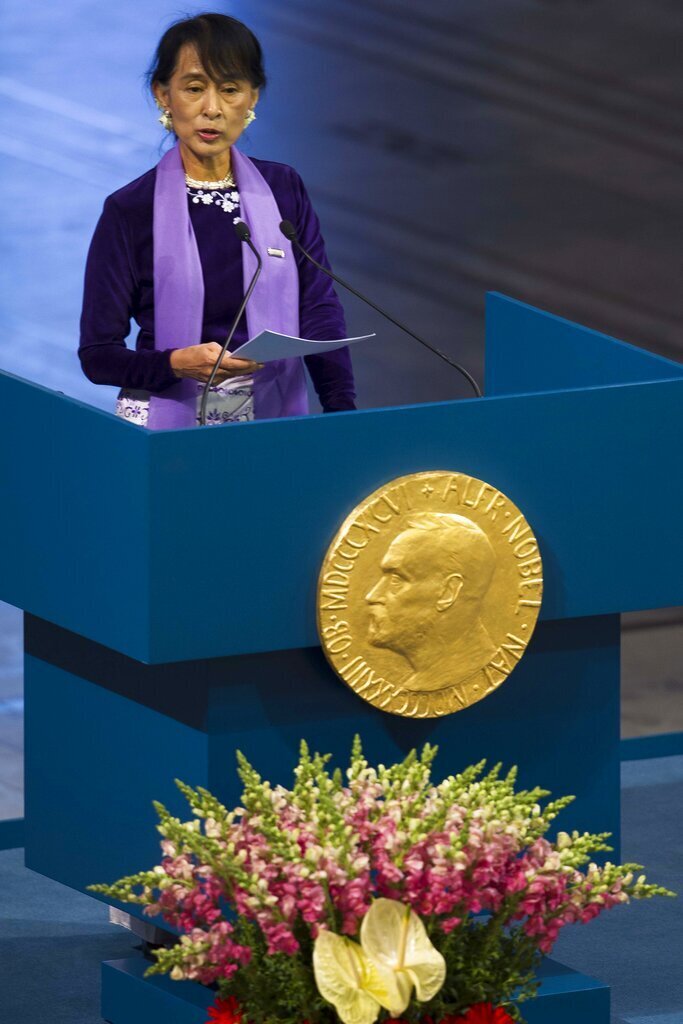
{"x": 280, "y": 388}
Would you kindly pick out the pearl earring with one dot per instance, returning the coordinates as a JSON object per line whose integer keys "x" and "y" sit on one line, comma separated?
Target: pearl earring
{"x": 166, "y": 121}
{"x": 249, "y": 117}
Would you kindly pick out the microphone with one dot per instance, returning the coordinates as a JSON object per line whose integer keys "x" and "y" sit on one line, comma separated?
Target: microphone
{"x": 289, "y": 231}
{"x": 244, "y": 234}
{"x": 242, "y": 231}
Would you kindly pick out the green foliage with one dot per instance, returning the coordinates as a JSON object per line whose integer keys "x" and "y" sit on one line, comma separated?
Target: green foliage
{"x": 277, "y": 988}
{"x": 486, "y": 963}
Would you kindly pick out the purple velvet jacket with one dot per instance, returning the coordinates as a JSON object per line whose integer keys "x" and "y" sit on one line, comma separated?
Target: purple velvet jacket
{"x": 119, "y": 285}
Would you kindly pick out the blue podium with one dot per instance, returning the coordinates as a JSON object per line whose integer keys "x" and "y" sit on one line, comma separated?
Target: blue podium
{"x": 169, "y": 584}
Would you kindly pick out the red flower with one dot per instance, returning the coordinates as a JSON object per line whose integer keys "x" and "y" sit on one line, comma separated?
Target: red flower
{"x": 481, "y": 1013}
{"x": 225, "y": 1011}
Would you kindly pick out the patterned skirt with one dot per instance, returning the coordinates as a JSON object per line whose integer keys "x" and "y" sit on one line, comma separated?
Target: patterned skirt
{"x": 229, "y": 402}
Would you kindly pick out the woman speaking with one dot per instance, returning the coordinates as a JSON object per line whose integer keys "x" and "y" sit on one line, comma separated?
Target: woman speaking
{"x": 165, "y": 253}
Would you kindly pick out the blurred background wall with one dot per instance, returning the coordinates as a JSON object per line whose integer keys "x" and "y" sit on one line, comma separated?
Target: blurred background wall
{"x": 451, "y": 147}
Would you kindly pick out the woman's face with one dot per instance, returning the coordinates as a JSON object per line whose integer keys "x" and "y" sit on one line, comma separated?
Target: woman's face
{"x": 207, "y": 118}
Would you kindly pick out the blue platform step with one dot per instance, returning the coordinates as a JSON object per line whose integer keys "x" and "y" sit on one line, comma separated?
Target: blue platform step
{"x": 565, "y": 997}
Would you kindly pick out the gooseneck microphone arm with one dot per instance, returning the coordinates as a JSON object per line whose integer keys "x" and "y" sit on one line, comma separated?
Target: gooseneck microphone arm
{"x": 289, "y": 231}
{"x": 244, "y": 235}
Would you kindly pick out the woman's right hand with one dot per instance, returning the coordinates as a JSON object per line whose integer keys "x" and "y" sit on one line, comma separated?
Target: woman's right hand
{"x": 197, "y": 362}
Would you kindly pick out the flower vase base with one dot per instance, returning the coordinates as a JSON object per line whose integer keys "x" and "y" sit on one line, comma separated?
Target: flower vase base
{"x": 565, "y": 997}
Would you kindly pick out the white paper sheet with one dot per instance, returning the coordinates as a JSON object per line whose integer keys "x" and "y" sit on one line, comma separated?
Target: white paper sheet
{"x": 269, "y": 345}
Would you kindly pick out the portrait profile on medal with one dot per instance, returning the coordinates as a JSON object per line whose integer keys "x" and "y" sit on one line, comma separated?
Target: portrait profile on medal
{"x": 426, "y": 605}
{"x": 429, "y": 593}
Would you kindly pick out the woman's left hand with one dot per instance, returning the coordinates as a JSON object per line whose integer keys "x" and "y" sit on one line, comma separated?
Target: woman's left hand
{"x": 198, "y": 361}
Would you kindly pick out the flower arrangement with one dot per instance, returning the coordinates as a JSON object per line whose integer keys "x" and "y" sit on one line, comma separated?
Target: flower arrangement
{"x": 375, "y": 895}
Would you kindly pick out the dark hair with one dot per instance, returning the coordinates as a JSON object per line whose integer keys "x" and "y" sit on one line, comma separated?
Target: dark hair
{"x": 226, "y": 48}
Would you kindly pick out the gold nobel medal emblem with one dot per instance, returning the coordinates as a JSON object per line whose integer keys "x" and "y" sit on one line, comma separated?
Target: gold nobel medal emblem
{"x": 429, "y": 594}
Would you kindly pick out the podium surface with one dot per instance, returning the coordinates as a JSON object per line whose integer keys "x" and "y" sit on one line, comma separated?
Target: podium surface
{"x": 169, "y": 580}
{"x": 112, "y": 524}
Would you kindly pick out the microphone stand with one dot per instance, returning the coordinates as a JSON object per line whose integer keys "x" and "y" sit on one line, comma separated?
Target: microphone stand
{"x": 244, "y": 235}
{"x": 289, "y": 231}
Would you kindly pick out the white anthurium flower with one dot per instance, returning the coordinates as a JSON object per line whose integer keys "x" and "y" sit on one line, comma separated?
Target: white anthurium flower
{"x": 395, "y": 939}
{"x": 348, "y": 979}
